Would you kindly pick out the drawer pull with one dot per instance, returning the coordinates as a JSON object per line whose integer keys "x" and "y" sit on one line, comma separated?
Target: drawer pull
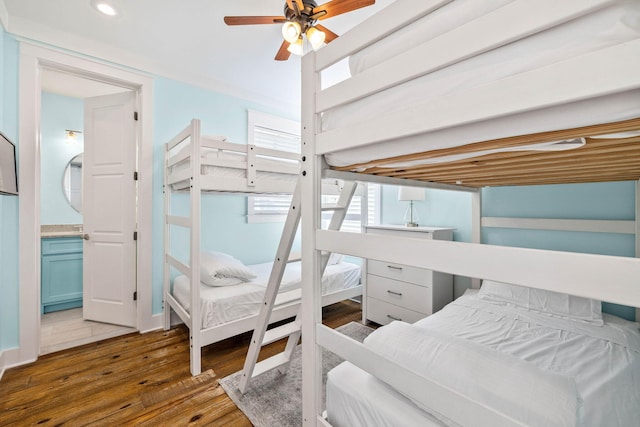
{"x": 393, "y": 267}
{"x": 394, "y": 293}
{"x": 393, "y": 317}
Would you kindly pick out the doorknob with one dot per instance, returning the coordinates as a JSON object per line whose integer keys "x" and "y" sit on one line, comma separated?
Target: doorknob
{"x": 85, "y": 236}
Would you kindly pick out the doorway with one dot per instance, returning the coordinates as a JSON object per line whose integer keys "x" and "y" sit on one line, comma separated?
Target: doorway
{"x": 67, "y": 103}
{"x": 33, "y": 61}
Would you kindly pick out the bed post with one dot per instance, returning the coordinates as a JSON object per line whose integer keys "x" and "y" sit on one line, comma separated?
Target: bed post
{"x": 166, "y": 280}
{"x": 311, "y": 280}
{"x": 194, "y": 250}
{"x": 476, "y": 226}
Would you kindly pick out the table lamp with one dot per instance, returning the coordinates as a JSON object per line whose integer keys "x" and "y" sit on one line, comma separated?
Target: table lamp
{"x": 411, "y": 194}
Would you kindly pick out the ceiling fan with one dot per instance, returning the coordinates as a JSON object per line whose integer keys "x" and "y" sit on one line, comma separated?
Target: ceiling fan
{"x": 299, "y": 20}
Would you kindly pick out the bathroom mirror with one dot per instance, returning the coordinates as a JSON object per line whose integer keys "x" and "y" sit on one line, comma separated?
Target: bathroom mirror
{"x": 72, "y": 182}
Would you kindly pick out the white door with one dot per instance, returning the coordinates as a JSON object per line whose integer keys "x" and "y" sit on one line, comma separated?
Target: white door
{"x": 109, "y": 209}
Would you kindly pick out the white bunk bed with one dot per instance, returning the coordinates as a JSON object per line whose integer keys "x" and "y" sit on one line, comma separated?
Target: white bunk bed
{"x": 504, "y": 92}
{"x": 200, "y": 164}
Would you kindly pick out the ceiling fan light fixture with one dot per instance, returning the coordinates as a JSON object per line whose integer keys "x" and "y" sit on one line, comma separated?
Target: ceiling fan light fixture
{"x": 291, "y": 31}
{"x": 316, "y": 37}
{"x": 296, "y": 47}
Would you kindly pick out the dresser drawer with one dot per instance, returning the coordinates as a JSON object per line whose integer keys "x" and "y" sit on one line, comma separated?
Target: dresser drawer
{"x": 419, "y": 276}
{"x": 382, "y": 312}
{"x": 408, "y": 295}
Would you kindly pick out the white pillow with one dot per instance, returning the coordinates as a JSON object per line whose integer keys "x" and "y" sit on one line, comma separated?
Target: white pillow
{"x": 220, "y": 269}
{"x": 546, "y": 302}
{"x": 335, "y": 259}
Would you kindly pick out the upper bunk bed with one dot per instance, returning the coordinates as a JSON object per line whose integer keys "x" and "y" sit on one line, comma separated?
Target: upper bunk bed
{"x": 215, "y": 164}
{"x": 466, "y": 93}
{"x": 462, "y": 95}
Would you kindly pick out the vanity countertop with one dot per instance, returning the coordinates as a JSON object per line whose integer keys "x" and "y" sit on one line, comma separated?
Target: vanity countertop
{"x": 60, "y": 230}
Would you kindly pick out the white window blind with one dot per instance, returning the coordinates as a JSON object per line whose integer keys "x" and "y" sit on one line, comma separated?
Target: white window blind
{"x": 265, "y": 130}
{"x": 354, "y": 213}
{"x": 373, "y": 203}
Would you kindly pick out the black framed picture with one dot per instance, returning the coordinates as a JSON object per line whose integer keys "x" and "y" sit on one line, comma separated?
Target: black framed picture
{"x": 8, "y": 170}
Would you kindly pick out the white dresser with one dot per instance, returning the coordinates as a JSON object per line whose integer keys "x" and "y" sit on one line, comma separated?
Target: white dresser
{"x": 399, "y": 292}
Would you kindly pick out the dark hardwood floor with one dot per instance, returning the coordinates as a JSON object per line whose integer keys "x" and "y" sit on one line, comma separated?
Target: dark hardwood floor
{"x": 140, "y": 380}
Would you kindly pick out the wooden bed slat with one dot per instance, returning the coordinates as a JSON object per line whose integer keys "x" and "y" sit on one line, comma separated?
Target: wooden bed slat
{"x": 600, "y": 159}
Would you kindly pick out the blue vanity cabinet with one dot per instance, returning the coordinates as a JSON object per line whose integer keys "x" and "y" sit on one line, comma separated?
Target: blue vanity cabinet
{"x": 61, "y": 278}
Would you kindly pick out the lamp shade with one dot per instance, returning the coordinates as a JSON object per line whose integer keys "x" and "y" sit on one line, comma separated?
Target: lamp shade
{"x": 411, "y": 193}
{"x": 316, "y": 37}
{"x": 296, "y": 48}
{"x": 291, "y": 31}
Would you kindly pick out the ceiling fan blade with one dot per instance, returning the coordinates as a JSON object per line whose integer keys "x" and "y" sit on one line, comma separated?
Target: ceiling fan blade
{"x": 299, "y": 6}
{"x": 283, "y": 54}
{"x": 338, "y": 7}
{"x": 329, "y": 35}
{"x": 250, "y": 20}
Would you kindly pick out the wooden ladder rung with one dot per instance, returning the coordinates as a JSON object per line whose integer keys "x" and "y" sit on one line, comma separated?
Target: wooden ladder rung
{"x": 273, "y": 362}
{"x": 283, "y": 331}
{"x": 332, "y": 207}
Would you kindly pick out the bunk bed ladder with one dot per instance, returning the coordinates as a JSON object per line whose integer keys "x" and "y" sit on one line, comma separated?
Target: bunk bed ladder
{"x": 292, "y": 330}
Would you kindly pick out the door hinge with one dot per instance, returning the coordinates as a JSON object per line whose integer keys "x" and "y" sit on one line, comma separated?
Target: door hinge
{"x": 135, "y": 235}
{"x": 135, "y": 295}
{"x": 135, "y": 176}
{"x": 135, "y": 115}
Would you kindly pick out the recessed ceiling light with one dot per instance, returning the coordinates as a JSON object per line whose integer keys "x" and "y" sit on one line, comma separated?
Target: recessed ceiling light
{"x": 104, "y": 7}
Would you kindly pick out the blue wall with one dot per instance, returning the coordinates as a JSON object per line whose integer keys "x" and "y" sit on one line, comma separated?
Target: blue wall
{"x": 598, "y": 201}
{"x": 9, "y": 288}
{"x": 58, "y": 113}
{"x": 610, "y": 201}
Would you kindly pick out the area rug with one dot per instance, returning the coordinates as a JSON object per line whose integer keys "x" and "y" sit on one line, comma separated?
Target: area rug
{"x": 274, "y": 399}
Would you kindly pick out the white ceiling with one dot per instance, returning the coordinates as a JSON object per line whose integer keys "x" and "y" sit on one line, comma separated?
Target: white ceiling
{"x": 185, "y": 40}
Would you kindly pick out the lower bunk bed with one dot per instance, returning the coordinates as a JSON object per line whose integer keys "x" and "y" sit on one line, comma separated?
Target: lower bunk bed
{"x": 542, "y": 358}
{"x": 232, "y": 306}
{"x": 221, "y": 305}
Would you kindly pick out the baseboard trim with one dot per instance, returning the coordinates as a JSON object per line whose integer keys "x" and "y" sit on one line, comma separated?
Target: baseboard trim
{"x": 155, "y": 324}
{"x": 10, "y": 359}
{"x": 2, "y": 368}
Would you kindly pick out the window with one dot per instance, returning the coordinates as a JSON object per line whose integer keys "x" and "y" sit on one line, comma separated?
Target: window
{"x": 265, "y": 130}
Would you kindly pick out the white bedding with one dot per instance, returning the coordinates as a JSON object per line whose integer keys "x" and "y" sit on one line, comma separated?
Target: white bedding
{"x": 223, "y": 304}
{"x": 602, "y": 361}
{"x": 602, "y": 28}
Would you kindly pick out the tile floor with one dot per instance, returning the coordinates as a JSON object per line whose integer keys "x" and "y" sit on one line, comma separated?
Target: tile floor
{"x": 65, "y": 329}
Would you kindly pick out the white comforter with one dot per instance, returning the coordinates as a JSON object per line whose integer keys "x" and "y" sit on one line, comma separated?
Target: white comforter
{"x": 544, "y": 370}
{"x": 224, "y": 304}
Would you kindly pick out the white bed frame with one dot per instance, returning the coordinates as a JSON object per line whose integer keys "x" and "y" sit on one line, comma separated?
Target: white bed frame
{"x": 571, "y": 273}
{"x": 187, "y": 146}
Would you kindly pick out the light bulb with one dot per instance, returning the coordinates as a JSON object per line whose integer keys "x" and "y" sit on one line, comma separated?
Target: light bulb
{"x": 316, "y": 37}
{"x": 104, "y": 6}
{"x": 291, "y": 31}
{"x": 296, "y": 48}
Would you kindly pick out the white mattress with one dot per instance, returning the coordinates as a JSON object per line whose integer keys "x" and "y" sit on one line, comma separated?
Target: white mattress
{"x": 223, "y": 304}
{"x": 267, "y": 168}
{"x": 602, "y": 28}
{"x": 603, "y": 361}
